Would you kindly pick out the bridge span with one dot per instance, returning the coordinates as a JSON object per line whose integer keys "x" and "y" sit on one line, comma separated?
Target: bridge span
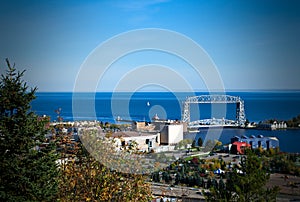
{"x": 203, "y": 123}
{"x": 214, "y": 99}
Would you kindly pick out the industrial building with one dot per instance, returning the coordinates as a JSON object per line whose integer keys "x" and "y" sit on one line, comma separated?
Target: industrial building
{"x": 239, "y": 147}
{"x": 254, "y": 142}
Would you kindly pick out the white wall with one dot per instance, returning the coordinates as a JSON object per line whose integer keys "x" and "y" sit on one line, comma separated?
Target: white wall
{"x": 175, "y": 133}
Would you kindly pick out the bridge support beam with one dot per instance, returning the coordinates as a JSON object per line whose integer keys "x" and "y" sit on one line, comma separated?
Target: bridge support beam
{"x": 240, "y": 113}
{"x": 211, "y": 99}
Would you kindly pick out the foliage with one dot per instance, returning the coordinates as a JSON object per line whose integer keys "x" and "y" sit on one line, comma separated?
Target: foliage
{"x": 247, "y": 122}
{"x": 246, "y": 184}
{"x": 285, "y": 163}
{"x": 28, "y": 173}
{"x": 194, "y": 143}
{"x": 84, "y": 178}
{"x": 183, "y": 143}
{"x": 211, "y": 145}
{"x": 294, "y": 122}
{"x": 200, "y": 142}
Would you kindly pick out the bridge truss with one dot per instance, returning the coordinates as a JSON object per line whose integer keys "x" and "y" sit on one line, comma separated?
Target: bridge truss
{"x": 212, "y": 99}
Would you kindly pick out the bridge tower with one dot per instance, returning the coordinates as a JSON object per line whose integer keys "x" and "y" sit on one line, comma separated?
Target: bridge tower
{"x": 222, "y": 99}
{"x": 186, "y": 112}
{"x": 240, "y": 112}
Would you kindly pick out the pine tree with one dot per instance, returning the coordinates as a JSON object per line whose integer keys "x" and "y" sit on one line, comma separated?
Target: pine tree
{"x": 200, "y": 142}
{"x": 194, "y": 143}
{"x": 27, "y": 172}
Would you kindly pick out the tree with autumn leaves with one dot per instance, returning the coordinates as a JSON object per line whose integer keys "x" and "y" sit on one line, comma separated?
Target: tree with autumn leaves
{"x": 30, "y": 172}
{"x": 85, "y": 178}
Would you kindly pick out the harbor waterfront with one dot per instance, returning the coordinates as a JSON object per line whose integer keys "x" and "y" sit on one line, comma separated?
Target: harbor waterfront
{"x": 288, "y": 139}
{"x": 259, "y": 106}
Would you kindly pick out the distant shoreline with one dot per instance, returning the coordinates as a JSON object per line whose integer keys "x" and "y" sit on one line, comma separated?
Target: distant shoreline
{"x": 203, "y": 91}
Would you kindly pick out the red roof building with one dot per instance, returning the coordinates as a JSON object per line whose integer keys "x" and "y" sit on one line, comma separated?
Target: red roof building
{"x": 239, "y": 147}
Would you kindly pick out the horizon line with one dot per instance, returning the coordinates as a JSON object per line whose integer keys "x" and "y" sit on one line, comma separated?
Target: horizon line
{"x": 196, "y": 91}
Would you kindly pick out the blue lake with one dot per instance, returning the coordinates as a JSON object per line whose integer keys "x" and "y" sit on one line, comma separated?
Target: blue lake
{"x": 259, "y": 106}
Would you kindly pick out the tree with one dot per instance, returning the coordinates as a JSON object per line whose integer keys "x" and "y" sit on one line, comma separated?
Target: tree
{"x": 247, "y": 122}
{"x": 200, "y": 142}
{"x": 194, "y": 143}
{"x": 246, "y": 186}
{"x": 209, "y": 145}
{"x": 183, "y": 143}
{"x": 218, "y": 143}
{"x": 85, "y": 178}
{"x": 28, "y": 173}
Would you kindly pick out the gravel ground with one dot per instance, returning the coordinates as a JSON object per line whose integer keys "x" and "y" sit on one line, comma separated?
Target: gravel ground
{"x": 289, "y": 186}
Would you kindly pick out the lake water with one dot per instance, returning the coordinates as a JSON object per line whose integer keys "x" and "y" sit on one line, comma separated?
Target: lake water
{"x": 259, "y": 106}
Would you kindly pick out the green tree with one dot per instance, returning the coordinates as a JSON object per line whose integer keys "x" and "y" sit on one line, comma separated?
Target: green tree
{"x": 200, "y": 142}
{"x": 194, "y": 143}
{"x": 183, "y": 143}
{"x": 209, "y": 145}
{"x": 247, "y": 122}
{"x": 246, "y": 186}
{"x": 28, "y": 173}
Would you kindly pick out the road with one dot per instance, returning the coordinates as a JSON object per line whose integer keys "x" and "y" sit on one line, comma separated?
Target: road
{"x": 187, "y": 193}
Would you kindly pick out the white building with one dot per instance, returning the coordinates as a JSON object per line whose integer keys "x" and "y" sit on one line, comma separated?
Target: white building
{"x": 171, "y": 134}
{"x": 145, "y": 141}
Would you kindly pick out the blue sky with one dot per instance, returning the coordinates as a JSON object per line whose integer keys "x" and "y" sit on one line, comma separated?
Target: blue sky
{"x": 255, "y": 45}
